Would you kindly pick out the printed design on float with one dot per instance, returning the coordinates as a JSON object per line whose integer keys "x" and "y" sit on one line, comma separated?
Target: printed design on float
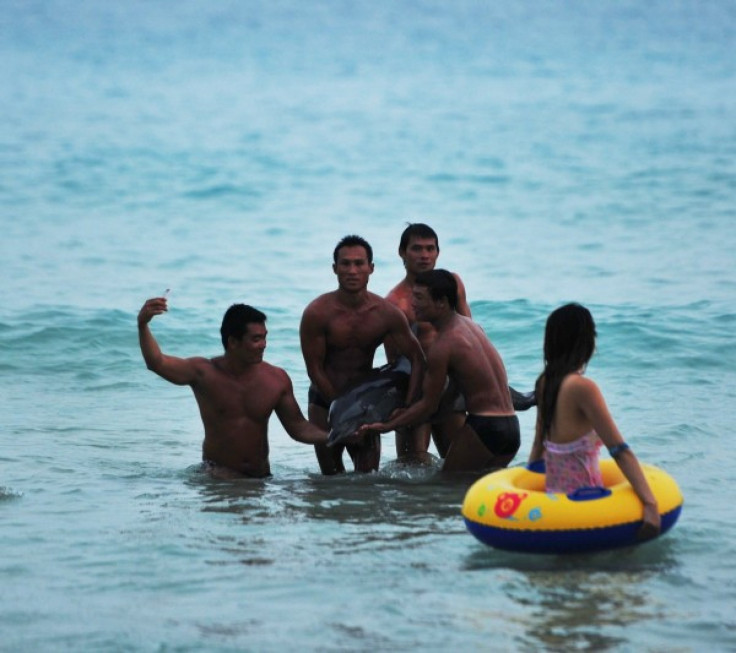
{"x": 507, "y": 503}
{"x": 535, "y": 514}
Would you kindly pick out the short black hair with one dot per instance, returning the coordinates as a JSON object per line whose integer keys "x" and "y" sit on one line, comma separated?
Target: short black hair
{"x": 236, "y": 320}
{"x": 417, "y": 230}
{"x": 441, "y": 283}
{"x": 353, "y": 241}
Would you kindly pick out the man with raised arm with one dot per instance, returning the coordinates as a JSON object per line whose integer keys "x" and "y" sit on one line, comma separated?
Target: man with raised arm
{"x": 462, "y": 353}
{"x": 236, "y": 392}
{"x": 340, "y": 332}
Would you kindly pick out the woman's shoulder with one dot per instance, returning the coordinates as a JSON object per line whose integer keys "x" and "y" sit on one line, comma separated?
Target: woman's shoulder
{"x": 579, "y": 385}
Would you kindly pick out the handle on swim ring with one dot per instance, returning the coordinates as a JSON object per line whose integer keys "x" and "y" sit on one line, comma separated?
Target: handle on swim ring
{"x": 589, "y": 493}
{"x": 536, "y": 466}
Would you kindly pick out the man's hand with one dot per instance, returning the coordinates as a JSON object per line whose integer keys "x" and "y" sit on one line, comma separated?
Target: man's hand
{"x": 152, "y": 307}
{"x": 377, "y": 427}
{"x": 381, "y": 427}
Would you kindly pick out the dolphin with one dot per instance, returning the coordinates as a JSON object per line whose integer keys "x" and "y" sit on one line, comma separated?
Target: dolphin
{"x": 374, "y": 398}
{"x": 371, "y": 400}
{"x": 523, "y": 400}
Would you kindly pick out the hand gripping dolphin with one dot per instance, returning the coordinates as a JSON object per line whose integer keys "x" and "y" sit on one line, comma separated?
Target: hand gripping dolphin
{"x": 380, "y": 394}
{"x": 371, "y": 400}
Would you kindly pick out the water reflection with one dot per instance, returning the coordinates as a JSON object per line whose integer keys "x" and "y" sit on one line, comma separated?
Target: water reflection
{"x": 392, "y": 495}
{"x": 223, "y": 494}
{"x": 581, "y": 601}
{"x": 349, "y": 513}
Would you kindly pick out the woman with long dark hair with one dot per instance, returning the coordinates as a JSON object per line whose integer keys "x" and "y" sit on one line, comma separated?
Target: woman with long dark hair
{"x": 573, "y": 420}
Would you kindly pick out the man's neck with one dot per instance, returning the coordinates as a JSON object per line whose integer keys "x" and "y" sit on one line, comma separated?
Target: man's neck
{"x": 444, "y": 320}
{"x": 234, "y": 367}
{"x": 352, "y": 299}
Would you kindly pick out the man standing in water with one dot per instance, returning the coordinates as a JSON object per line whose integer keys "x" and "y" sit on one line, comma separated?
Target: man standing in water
{"x": 236, "y": 392}
{"x": 419, "y": 249}
{"x": 461, "y": 352}
{"x": 340, "y": 332}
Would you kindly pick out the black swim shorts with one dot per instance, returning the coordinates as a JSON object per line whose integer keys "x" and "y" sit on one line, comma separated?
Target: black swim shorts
{"x": 500, "y": 434}
{"x": 315, "y": 397}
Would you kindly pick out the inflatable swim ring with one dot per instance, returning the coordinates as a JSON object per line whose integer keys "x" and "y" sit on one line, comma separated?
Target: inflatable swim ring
{"x": 509, "y": 509}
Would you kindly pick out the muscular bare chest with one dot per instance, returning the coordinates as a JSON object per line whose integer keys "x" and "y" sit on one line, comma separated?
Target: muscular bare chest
{"x": 222, "y": 395}
{"x": 355, "y": 330}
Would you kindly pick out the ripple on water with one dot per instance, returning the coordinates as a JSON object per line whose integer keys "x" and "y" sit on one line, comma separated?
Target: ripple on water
{"x": 8, "y": 493}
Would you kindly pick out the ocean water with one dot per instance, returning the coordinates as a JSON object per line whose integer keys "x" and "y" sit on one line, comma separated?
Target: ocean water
{"x": 563, "y": 151}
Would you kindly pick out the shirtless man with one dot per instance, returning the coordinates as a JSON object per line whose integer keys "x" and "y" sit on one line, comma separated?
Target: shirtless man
{"x": 236, "y": 392}
{"x": 340, "y": 332}
{"x": 419, "y": 248}
{"x": 461, "y": 352}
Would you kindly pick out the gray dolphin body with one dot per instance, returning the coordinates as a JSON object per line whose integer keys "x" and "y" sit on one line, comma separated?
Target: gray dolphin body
{"x": 378, "y": 395}
{"x": 522, "y": 400}
{"x": 372, "y": 400}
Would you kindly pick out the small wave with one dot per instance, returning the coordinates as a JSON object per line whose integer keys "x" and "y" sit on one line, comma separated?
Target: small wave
{"x": 447, "y": 178}
{"x": 7, "y": 493}
{"x": 106, "y": 387}
{"x": 398, "y": 470}
{"x": 221, "y": 190}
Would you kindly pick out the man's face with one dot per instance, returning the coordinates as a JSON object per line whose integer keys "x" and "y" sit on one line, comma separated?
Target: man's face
{"x": 251, "y": 346}
{"x": 352, "y": 268}
{"x": 422, "y": 303}
{"x": 420, "y": 255}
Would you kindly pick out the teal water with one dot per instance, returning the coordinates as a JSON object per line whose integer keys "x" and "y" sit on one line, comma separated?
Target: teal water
{"x": 568, "y": 151}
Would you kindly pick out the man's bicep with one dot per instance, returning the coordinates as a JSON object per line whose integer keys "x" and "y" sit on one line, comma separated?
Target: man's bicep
{"x": 287, "y": 409}
{"x": 312, "y": 337}
{"x": 306, "y": 326}
{"x": 435, "y": 377}
{"x": 314, "y": 352}
{"x": 401, "y": 337}
{"x": 314, "y": 349}
{"x": 181, "y": 371}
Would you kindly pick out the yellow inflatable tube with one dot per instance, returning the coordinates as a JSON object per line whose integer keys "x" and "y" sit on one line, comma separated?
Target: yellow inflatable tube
{"x": 509, "y": 509}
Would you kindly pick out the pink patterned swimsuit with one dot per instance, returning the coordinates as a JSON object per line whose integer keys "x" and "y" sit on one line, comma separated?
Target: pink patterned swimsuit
{"x": 573, "y": 465}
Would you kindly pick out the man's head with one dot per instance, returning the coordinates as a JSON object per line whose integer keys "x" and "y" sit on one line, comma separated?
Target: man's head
{"x": 432, "y": 291}
{"x": 353, "y": 263}
{"x": 417, "y": 230}
{"x": 244, "y": 327}
{"x": 419, "y": 248}
{"x": 353, "y": 241}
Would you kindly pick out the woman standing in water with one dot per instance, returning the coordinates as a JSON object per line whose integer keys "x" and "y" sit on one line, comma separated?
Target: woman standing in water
{"x": 573, "y": 419}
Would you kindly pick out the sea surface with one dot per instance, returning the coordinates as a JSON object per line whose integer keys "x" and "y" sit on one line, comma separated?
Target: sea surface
{"x": 563, "y": 151}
